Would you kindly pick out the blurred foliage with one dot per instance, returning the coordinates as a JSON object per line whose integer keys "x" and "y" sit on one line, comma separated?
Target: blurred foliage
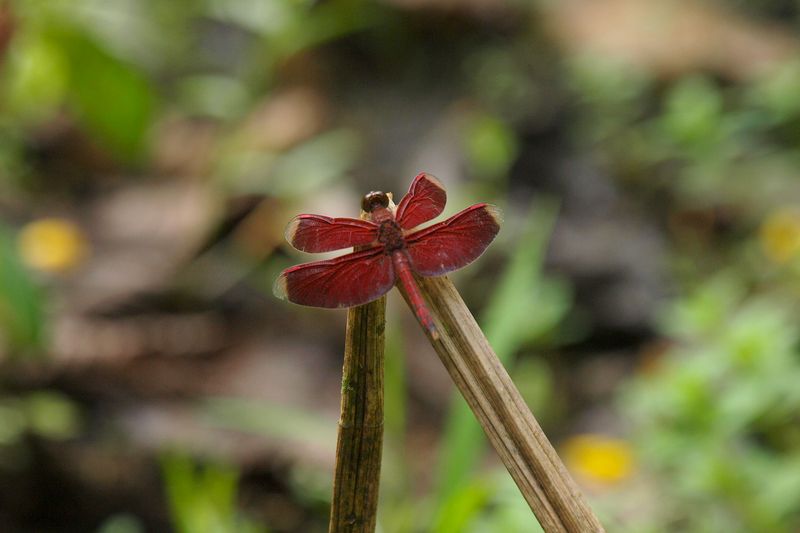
{"x": 21, "y": 301}
{"x": 713, "y": 413}
{"x": 117, "y": 69}
{"x": 202, "y": 499}
{"x": 121, "y": 523}
{"x": 266, "y": 419}
{"x": 715, "y": 416}
{"x": 505, "y": 509}
{"x": 44, "y": 413}
{"x": 491, "y": 146}
{"x": 57, "y": 60}
{"x": 296, "y": 172}
{"x": 707, "y": 143}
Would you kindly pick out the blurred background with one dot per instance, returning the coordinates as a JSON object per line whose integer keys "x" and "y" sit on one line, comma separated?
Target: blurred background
{"x": 643, "y": 292}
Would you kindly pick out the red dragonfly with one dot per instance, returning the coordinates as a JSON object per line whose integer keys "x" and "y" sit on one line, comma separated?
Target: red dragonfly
{"x": 388, "y": 248}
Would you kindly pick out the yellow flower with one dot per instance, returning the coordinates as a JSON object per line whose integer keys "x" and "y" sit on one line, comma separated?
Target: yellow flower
{"x": 599, "y": 459}
{"x": 780, "y": 235}
{"x": 52, "y": 245}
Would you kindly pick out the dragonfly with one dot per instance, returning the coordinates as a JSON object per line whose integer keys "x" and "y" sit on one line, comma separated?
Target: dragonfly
{"x": 389, "y": 248}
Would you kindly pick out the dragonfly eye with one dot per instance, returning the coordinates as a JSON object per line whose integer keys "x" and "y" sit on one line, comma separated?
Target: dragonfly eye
{"x": 373, "y": 200}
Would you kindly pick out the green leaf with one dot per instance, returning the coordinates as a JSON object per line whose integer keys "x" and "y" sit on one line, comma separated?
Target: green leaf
{"x": 202, "y": 499}
{"x": 112, "y": 98}
{"x": 36, "y": 77}
{"x": 51, "y": 414}
{"x": 694, "y": 114}
{"x": 21, "y": 301}
{"x": 462, "y": 507}
{"x": 491, "y": 146}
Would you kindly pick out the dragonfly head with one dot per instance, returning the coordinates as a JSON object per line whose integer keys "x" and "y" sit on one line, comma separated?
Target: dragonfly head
{"x": 373, "y": 200}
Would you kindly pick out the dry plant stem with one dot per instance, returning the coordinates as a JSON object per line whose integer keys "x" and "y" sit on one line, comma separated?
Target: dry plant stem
{"x": 359, "y": 445}
{"x": 506, "y": 419}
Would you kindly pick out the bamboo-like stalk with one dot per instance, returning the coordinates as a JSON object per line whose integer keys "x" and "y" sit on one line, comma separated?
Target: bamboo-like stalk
{"x": 359, "y": 444}
{"x": 500, "y": 409}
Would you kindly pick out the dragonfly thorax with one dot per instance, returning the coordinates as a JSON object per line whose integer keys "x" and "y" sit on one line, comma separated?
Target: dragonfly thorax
{"x": 390, "y": 235}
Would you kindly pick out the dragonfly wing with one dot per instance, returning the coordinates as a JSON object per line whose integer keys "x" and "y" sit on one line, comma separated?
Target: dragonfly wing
{"x": 455, "y": 242}
{"x": 424, "y": 201}
{"x": 346, "y": 281}
{"x": 318, "y": 233}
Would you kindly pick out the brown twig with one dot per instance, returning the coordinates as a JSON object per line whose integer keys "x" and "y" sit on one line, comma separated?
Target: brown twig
{"x": 507, "y": 421}
{"x": 359, "y": 445}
